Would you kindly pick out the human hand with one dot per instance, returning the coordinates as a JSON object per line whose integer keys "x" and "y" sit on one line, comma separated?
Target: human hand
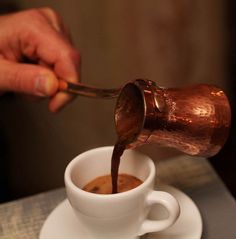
{"x": 40, "y": 36}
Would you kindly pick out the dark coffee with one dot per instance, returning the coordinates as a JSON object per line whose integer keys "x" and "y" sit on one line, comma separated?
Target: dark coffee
{"x": 129, "y": 118}
{"x": 103, "y": 184}
{"x": 118, "y": 150}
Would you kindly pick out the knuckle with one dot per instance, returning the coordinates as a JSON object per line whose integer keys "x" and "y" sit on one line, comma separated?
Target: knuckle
{"x": 32, "y": 19}
{"x": 72, "y": 55}
{"x": 49, "y": 12}
{"x": 37, "y": 20}
{"x": 32, "y": 13}
{"x": 39, "y": 14}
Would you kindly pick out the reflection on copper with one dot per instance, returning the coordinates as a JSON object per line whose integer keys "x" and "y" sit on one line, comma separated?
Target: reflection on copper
{"x": 195, "y": 119}
{"x": 219, "y": 93}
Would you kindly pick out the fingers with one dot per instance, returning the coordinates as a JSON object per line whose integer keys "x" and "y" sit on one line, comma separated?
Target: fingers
{"x": 53, "y": 18}
{"x": 64, "y": 69}
{"x": 56, "y": 21}
{"x": 59, "y": 101}
{"x": 38, "y": 35}
{"x": 28, "y": 79}
{"x": 46, "y": 43}
{"x": 49, "y": 45}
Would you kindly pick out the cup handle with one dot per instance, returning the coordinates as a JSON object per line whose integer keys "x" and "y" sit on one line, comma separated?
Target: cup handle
{"x": 172, "y": 206}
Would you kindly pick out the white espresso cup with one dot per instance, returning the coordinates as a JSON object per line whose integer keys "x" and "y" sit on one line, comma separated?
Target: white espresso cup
{"x": 122, "y": 215}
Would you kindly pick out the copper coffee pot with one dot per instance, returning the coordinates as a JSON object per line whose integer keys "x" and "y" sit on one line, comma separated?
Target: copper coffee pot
{"x": 194, "y": 120}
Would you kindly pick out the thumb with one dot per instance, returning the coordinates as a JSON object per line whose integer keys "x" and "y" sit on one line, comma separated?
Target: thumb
{"x": 27, "y": 78}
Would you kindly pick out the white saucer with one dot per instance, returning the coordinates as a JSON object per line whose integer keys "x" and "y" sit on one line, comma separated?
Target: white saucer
{"x": 62, "y": 223}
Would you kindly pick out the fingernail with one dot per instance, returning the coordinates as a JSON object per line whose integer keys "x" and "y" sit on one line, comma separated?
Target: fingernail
{"x": 46, "y": 85}
{"x": 41, "y": 86}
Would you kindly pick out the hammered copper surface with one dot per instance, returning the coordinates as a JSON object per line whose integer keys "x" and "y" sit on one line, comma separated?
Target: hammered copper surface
{"x": 194, "y": 120}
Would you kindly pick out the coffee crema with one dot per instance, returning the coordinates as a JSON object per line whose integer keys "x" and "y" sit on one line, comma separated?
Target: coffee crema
{"x": 103, "y": 184}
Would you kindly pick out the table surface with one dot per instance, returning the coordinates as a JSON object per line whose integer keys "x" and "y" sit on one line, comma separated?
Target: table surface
{"x": 24, "y": 218}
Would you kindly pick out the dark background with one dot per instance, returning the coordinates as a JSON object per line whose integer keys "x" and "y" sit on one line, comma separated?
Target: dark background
{"x": 225, "y": 161}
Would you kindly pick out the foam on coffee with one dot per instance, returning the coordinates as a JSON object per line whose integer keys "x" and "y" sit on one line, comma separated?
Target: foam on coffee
{"x": 103, "y": 184}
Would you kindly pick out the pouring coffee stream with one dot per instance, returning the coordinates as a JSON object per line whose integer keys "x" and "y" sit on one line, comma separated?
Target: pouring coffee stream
{"x": 195, "y": 119}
